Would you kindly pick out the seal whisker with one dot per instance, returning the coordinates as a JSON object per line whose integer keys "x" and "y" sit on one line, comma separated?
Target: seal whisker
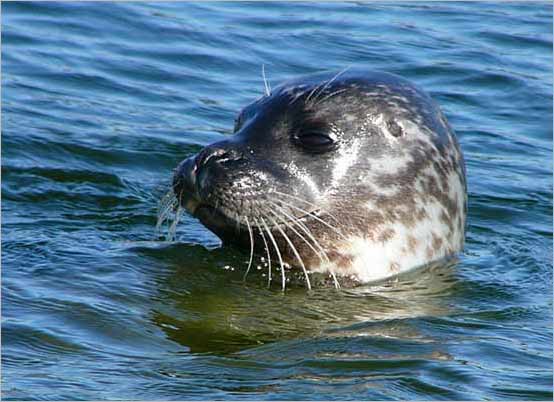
{"x": 331, "y": 95}
{"x": 296, "y": 222}
{"x": 321, "y": 254}
{"x": 312, "y": 92}
{"x": 267, "y": 87}
{"x": 295, "y": 252}
{"x": 268, "y": 254}
{"x": 173, "y": 228}
{"x": 251, "y": 247}
{"x": 311, "y": 236}
{"x": 315, "y": 217}
{"x": 311, "y": 204}
{"x": 329, "y": 82}
{"x": 166, "y": 204}
{"x": 283, "y": 278}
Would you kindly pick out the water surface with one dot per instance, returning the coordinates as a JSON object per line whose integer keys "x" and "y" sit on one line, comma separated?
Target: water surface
{"x": 100, "y": 101}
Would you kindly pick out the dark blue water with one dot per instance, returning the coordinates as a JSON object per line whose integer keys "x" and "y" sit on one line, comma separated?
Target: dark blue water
{"x": 101, "y": 100}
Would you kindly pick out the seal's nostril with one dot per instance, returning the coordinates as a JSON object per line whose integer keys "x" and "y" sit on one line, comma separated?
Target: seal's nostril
{"x": 206, "y": 155}
{"x": 216, "y": 155}
{"x": 224, "y": 157}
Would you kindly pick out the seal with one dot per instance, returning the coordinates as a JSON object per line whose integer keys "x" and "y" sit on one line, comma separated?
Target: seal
{"x": 356, "y": 175}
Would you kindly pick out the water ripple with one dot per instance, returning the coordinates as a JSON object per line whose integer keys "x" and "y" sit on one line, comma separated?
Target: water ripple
{"x": 101, "y": 101}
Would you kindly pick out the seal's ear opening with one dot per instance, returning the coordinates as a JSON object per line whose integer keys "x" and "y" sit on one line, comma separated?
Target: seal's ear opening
{"x": 395, "y": 129}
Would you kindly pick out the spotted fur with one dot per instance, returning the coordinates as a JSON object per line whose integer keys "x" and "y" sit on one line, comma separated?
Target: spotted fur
{"x": 389, "y": 196}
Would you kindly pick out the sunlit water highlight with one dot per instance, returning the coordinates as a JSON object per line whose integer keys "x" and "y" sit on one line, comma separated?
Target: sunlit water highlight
{"x": 100, "y": 101}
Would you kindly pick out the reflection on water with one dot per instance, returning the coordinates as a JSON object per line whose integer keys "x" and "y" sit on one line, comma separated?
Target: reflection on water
{"x": 208, "y": 307}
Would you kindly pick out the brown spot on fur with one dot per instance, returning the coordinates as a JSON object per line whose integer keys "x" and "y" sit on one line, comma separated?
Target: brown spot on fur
{"x": 446, "y": 219}
{"x": 340, "y": 259}
{"x": 429, "y": 252}
{"x": 421, "y": 214}
{"x": 402, "y": 196}
{"x": 412, "y": 244}
{"x": 394, "y": 267}
{"x": 386, "y": 235}
{"x": 437, "y": 242}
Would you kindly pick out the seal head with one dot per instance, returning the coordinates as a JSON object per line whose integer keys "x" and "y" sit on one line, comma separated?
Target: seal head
{"x": 354, "y": 174}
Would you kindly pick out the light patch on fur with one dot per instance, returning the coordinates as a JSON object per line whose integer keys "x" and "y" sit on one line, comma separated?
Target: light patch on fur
{"x": 346, "y": 158}
{"x": 380, "y": 121}
{"x": 375, "y": 260}
{"x": 429, "y": 239}
{"x": 302, "y": 175}
{"x": 389, "y": 164}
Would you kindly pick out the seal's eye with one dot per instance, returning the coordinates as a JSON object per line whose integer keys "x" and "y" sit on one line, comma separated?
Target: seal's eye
{"x": 311, "y": 134}
{"x": 314, "y": 141}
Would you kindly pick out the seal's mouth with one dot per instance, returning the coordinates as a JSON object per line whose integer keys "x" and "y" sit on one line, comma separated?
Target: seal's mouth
{"x": 216, "y": 218}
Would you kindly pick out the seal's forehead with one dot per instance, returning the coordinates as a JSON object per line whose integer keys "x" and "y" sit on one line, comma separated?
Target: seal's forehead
{"x": 355, "y": 79}
{"x": 359, "y": 89}
{"x": 348, "y": 92}
{"x": 350, "y": 78}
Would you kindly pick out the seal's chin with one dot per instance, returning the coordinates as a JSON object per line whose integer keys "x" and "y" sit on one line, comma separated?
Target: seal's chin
{"x": 212, "y": 217}
{"x": 208, "y": 215}
{"x": 228, "y": 229}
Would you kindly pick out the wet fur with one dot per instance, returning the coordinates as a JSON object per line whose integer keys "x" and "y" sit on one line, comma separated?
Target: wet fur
{"x": 391, "y": 197}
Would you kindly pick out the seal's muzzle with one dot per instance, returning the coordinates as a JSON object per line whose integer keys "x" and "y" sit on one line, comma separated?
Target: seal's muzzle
{"x": 194, "y": 177}
{"x": 184, "y": 184}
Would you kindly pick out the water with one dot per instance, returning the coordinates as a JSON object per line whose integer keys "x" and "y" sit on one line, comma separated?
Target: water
{"x": 101, "y": 100}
